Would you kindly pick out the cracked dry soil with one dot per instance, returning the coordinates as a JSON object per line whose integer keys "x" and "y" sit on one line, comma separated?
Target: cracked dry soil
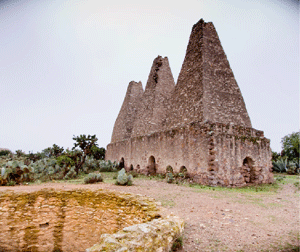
{"x": 217, "y": 220}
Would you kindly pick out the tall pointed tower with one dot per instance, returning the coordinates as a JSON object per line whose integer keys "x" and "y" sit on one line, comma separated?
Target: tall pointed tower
{"x": 152, "y": 113}
{"x": 127, "y": 115}
{"x": 206, "y": 88}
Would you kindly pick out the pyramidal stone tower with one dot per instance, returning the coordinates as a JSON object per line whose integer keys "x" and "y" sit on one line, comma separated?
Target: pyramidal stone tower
{"x": 127, "y": 115}
{"x": 153, "y": 109}
{"x": 206, "y": 87}
{"x": 199, "y": 127}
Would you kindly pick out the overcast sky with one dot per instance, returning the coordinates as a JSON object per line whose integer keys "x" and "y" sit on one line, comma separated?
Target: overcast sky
{"x": 65, "y": 64}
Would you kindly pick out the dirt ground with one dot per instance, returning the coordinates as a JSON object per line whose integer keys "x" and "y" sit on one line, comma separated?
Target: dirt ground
{"x": 220, "y": 220}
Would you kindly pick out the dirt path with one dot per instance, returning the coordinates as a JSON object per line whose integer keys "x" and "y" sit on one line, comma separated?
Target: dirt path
{"x": 218, "y": 220}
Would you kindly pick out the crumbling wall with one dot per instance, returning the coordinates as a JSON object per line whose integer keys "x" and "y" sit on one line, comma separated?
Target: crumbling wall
{"x": 212, "y": 153}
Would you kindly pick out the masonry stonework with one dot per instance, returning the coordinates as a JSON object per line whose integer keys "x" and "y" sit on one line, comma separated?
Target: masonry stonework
{"x": 200, "y": 124}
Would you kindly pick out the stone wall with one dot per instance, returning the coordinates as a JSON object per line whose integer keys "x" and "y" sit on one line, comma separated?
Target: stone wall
{"x": 212, "y": 153}
{"x": 51, "y": 220}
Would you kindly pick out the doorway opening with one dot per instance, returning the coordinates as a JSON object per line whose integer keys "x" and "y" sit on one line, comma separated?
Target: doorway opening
{"x": 151, "y": 166}
{"x": 247, "y": 170}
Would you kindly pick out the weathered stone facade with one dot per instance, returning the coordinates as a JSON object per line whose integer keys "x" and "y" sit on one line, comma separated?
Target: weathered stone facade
{"x": 201, "y": 124}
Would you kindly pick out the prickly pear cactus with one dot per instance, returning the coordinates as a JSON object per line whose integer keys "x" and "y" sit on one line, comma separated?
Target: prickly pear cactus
{"x": 123, "y": 179}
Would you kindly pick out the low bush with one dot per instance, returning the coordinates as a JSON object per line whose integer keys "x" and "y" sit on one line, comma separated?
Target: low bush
{"x": 170, "y": 177}
{"x": 93, "y": 178}
{"x": 123, "y": 178}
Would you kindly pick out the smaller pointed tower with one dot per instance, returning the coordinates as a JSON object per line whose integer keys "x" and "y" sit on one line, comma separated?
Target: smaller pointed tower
{"x": 152, "y": 114}
{"x": 127, "y": 115}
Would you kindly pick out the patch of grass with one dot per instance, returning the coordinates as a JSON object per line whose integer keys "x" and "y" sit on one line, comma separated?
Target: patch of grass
{"x": 264, "y": 188}
{"x": 109, "y": 177}
{"x": 286, "y": 178}
{"x": 177, "y": 244}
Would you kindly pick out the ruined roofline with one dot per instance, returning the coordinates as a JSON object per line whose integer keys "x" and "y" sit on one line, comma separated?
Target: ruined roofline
{"x": 154, "y": 105}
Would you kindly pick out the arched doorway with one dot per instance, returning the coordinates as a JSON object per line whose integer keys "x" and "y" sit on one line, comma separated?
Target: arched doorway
{"x": 169, "y": 169}
{"x": 138, "y": 168}
{"x": 183, "y": 169}
{"x": 122, "y": 163}
{"x": 183, "y": 172}
{"x": 151, "y": 166}
{"x": 247, "y": 170}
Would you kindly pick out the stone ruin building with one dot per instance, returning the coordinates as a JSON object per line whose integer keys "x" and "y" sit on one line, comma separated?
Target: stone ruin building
{"x": 200, "y": 125}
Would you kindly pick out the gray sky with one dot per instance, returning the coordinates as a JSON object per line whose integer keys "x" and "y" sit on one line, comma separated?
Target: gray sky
{"x": 65, "y": 65}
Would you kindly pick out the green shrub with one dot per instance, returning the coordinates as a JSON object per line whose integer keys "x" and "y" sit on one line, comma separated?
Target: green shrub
{"x": 280, "y": 165}
{"x": 11, "y": 183}
{"x": 65, "y": 160}
{"x": 4, "y": 152}
{"x": 134, "y": 174}
{"x": 293, "y": 167}
{"x": 123, "y": 178}
{"x": 14, "y": 172}
{"x": 170, "y": 177}
{"x": 177, "y": 244}
{"x": 93, "y": 178}
{"x": 71, "y": 174}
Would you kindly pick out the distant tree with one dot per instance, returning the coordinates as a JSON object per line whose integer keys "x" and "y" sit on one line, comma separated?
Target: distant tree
{"x": 53, "y": 151}
{"x": 20, "y": 153}
{"x": 4, "y": 152}
{"x": 56, "y": 150}
{"x": 85, "y": 143}
{"x": 275, "y": 156}
{"x": 291, "y": 145}
{"x": 46, "y": 152}
{"x": 98, "y": 153}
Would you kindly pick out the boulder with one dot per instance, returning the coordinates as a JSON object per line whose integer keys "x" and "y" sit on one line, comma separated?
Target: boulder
{"x": 156, "y": 235}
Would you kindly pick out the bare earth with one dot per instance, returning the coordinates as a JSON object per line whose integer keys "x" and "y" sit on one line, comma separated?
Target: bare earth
{"x": 217, "y": 220}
